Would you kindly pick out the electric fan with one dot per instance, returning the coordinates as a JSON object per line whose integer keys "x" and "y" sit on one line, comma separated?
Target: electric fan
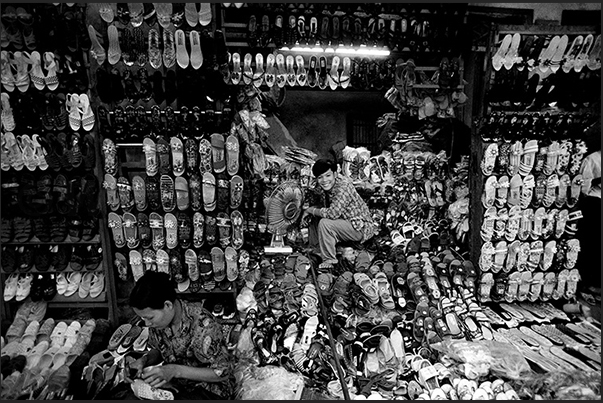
{"x": 283, "y": 210}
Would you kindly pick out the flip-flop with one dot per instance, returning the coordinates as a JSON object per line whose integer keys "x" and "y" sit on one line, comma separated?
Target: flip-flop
{"x": 110, "y": 185}
{"x": 116, "y": 224}
{"x": 166, "y": 185}
{"x": 247, "y": 72}
{"x": 209, "y": 191}
{"x": 489, "y": 159}
{"x": 140, "y": 194}
{"x": 170, "y": 223}
{"x": 211, "y": 230}
{"x": 182, "y": 193}
{"x": 224, "y": 227}
{"x": 232, "y": 270}
{"x": 195, "y": 186}
{"x": 218, "y": 153}
{"x": 515, "y": 158}
{"x": 110, "y": 156}
{"x": 162, "y": 148}
{"x": 527, "y": 191}
{"x": 130, "y": 226}
{"x": 198, "y": 230}
{"x": 192, "y": 264}
{"x": 232, "y": 155}
{"x": 205, "y": 156}
{"x": 562, "y": 191}
{"x": 218, "y": 263}
{"x": 176, "y": 147}
{"x": 185, "y": 229}
{"x": 237, "y": 229}
{"x": 156, "y": 224}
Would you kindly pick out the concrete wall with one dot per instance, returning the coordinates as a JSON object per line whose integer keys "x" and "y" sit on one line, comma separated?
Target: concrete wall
{"x": 545, "y": 11}
{"x": 318, "y": 119}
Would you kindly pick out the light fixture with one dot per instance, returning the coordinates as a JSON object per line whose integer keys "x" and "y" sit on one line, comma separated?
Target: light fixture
{"x": 340, "y": 50}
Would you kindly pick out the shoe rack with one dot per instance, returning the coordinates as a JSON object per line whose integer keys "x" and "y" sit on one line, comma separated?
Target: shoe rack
{"x": 104, "y": 302}
{"x": 378, "y": 71}
{"x": 511, "y": 124}
{"x": 202, "y": 118}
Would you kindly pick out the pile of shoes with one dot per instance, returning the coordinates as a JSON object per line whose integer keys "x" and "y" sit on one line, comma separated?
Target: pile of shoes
{"x": 530, "y": 198}
{"x": 39, "y": 352}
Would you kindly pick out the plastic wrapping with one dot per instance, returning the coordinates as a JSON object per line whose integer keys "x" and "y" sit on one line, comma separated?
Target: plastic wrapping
{"x": 479, "y": 358}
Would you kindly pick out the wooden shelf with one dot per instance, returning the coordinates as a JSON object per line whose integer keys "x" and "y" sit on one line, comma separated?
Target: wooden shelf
{"x": 36, "y": 241}
{"x": 53, "y": 271}
{"x": 61, "y": 299}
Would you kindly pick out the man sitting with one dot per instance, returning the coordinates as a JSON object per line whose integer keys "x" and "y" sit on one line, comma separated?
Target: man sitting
{"x": 344, "y": 216}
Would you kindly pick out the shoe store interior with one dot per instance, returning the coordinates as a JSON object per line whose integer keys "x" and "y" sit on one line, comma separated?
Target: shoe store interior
{"x": 300, "y": 201}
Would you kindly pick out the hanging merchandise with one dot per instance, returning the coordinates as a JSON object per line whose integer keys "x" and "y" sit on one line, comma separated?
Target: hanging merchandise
{"x": 167, "y": 157}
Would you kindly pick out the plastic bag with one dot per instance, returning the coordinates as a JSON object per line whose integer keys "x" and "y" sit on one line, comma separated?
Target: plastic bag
{"x": 485, "y": 356}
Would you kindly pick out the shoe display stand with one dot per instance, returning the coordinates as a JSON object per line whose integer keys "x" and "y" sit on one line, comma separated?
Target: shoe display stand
{"x": 525, "y": 182}
{"x": 140, "y": 118}
{"x": 60, "y": 236}
{"x": 269, "y": 52}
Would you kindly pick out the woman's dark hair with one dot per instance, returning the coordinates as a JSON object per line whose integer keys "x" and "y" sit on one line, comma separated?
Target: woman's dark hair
{"x": 152, "y": 290}
{"x": 323, "y": 165}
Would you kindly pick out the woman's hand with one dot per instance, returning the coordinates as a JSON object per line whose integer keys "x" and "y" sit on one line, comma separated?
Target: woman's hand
{"x": 159, "y": 375}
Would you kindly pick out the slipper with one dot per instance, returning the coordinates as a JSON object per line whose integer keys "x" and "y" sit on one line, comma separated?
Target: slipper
{"x": 236, "y": 191}
{"x": 218, "y": 263}
{"x": 524, "y": 286}
{"x": 535, "y": 255}
{"x": 281, "y": 73}
{"x": 224, "y": 227}
{"x": 488, "y": 224}
{"x": 486, "y": 257}
{"x": 162, "y": 258}
{"x": 205, "y": 155}
{"x": 562, "y": 190}
{"x": 513, "y": 223}
{"x": 110, "y": 156}
{"x": 539, "y": 216}
{"x": 166, "y": 184}
{"x": 209, "y": 191}
{"x": 139, "y": 189}
{"x": 489, "y": 195}
{"x": 162, "y": 148}
{"x": 235, "y": 75}
{"x": 211, "y": 230}
{"x": 501, "y": 223}
{"x": 116, "y": 225}
{"x": 527, "y": 190}
{"x": 549, "y": 286}
{"x": 514, "y": 194}
{"x": 367, "y": 287}
{"x": 170, "y": 223}
{"x": 232, "y": 155}
{"x": 502, "y": 191}
{"x": 489, "y": 159}
{"x": 236, "y": 219}
{"x": 198, "y": 230}
{"x": 512, "y": 287}
{"x": 182, "y": 193}
{"x": 247, "y": 72}
{"x": 130, "y": 228}
{"x": 515, "y": 158}
{"x": 528, "y": 157}
{"x": 525, "y": 226}
{"x": 196, "y": 56}
{"x": 572, "y": 249}
{"x": 218, "y": 154}
{"x": 540, "y": 189}
{"x": 136, "y": 264}
{"x": 184, "y": 229}
{"x": 485, "y": 287}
